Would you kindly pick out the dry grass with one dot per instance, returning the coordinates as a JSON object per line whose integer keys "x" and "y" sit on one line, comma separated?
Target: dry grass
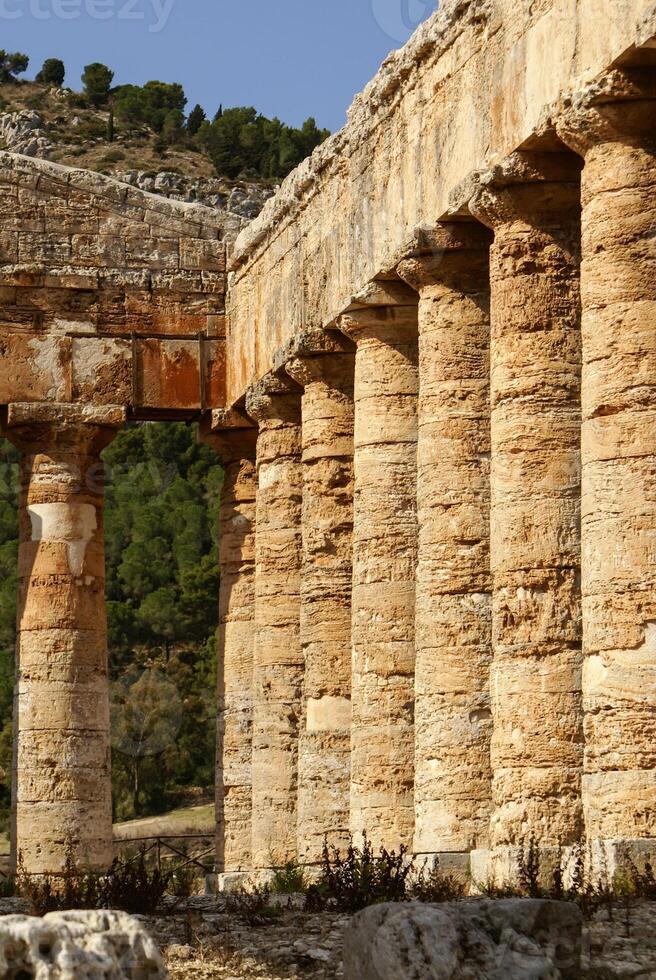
{"x": 190, "y": 820}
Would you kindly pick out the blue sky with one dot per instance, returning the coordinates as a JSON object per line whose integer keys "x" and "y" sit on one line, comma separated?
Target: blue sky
{"x": 290, "y": 58}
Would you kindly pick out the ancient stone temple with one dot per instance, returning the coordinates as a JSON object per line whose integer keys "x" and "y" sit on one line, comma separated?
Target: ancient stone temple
{"x": 430, "y": 373}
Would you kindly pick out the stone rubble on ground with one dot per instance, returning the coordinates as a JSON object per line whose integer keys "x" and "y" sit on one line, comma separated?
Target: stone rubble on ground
{"x": 204, "y": 938}
{"x": 78, "y": 946}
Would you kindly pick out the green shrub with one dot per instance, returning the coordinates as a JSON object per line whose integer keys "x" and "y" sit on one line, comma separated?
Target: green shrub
{"x": 435, "y": 886}
{"x": 12, "y": 64}
{"x": 114, "y": 156}
{"x": 128, "y": 885}
{"x": 290, "y": 879}
{"x": 360, "y": 877}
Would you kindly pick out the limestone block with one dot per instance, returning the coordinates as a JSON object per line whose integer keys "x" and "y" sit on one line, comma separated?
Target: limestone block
{"x": 70, "y": 945}
{"x": 473, "y": 940}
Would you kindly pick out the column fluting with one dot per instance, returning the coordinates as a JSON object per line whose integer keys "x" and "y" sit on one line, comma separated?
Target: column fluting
{"x": 236, "y": 638}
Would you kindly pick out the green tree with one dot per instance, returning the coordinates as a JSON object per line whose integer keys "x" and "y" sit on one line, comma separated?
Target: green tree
{"x": 196, "y": 119}
{"x": 240, "y": 139}
{"x": 53, "y": 72}
{"x": 12, "y": 64}
{"x": 97, "y": 80}
{"x": 173, "y": 128}
{"x": 151, "y": 105}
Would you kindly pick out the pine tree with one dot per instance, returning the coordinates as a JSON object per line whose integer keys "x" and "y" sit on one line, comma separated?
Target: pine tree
{"x": 97, "y": 80}
{"x": 53, "y": 72}
{"x": 12, "y": 65}
{"x": 196, "y": 119}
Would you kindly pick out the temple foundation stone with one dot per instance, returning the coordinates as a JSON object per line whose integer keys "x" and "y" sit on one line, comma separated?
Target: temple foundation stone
{"x": 62, "y": 801}
{"x": 449, "y": 270}
{"x": 384, "y": 563}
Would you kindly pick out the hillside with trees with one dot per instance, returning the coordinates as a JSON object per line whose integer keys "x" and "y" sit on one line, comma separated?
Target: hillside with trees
{"x": 112, "y": 128}
{"x": 162, "y": 605}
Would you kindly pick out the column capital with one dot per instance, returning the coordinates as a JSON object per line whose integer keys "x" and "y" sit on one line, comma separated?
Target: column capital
{"x": 312, "y": 355}
{"x": 435, "y": 250}
{"x": 230, "y": 433}
{"x": 319, "y": 356}
{"x": 619, "y": 107}
{"x": 274, "y": 397}
{"x": 526, "y": 187}
{"x": 87, "y": 429}
{"x": 385, "y": 308}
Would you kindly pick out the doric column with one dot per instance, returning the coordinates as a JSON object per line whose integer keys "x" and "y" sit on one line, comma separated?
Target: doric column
{"x": 62, "y": 782}
{"x": 384, "y": 564}
{"x": 278, "y": 659}
{"x": 323, "y": 365}
{"x": 233, "y": 438}
{"x": 532, "y": 203}
{"x": 613, "y": 127}
{"x": 449, "y": 270}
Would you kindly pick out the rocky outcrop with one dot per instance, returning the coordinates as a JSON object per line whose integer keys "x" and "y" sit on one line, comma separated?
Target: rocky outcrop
{"x": 71, "y": 945}
{"x": 242, "y": 200}
{"x": 514, "y": 939}
{"x": 24, "y": 132}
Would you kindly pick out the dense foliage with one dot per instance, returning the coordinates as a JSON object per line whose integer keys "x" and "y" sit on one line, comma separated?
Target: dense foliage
{"x": 12, "y": 64}
{"x": 97, "y": 80}
{"x": 162, "y": 589}
{"x": 53, "y": 72}
{"x": 241, "y": 139}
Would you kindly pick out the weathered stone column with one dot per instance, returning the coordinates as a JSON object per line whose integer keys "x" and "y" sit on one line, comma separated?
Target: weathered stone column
{"x": 532, "y": 203}
{"x": 233, "y": 438}
{"x": 384, "y": 564}
{"x": 323, "y": 364}
{"x": 449, "y": 270}
{"x": 614, "y": 128}
{"x": 62, "y": 782}
{"x": 278, "y": 659}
